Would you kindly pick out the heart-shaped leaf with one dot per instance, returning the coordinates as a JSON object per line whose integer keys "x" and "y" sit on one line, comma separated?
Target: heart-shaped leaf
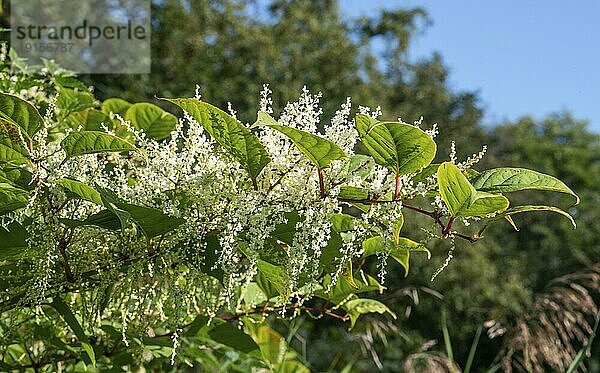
{"x": 400, "y": 147}
{"x": 154, "y": 121}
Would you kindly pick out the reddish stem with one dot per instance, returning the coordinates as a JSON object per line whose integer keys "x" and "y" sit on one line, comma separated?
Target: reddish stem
{"x": 321, "y": 183}
{"x": 397, "y": 190}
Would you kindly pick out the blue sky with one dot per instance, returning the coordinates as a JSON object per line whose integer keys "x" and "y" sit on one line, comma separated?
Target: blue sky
{"x": 523, "y": 57}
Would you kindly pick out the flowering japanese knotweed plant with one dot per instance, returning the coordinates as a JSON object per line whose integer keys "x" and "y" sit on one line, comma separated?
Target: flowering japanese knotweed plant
{"x": 130, "y": 221}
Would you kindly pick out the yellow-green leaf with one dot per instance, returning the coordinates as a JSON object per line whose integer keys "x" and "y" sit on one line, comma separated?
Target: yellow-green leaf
{"x": 89, "y": 142}
{"x": 318, "y": 150}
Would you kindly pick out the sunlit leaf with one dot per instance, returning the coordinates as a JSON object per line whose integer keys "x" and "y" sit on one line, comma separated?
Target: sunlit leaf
{"x": 504, "y": 180}
{"x": 400, "y": 147}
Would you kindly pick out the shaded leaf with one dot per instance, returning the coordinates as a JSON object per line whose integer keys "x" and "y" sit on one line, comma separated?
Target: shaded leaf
{"x": 12, "y": 198}
{"x": 83, "y": 190}
{"x": 68, "y": 316}
{"x": 231, "y": 336}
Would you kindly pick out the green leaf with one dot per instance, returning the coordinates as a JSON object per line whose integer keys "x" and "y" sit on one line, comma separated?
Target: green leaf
{"x": 68, "y": 316}
{"x": 115, "y": 106}
{"x": 529, "y": 208}
{"x": 353, "y": 193}
{"x": 154, "y": 121}
{"x": 72, "y": 100}
{"x": 229, "y": 132}
{"x": 276, "y": 275}
{"x": 89, "y": 142}
{"x": 83, "y": 190}
{"x": 13, "y": 239}
{"x": 361, "y": 306}
{"x": 20, "y": 113}
{"x": 345, "y": 287}
{"x": 11, "y": 148}
{"x": 153, "y": 222}
{"x": 342, "y": 222}
{"x": 485, "y": 204}
{"x": 399, "y": 249}
{"x": 455, "y": 189}
{"x": 104, "y": 219}
{"x": 12, "y": 198}
{"x": 318, "y": 150}
{"x": 398, "y": 146}
{"x": 425, "y": 173}
{"x": 90, "y": 120}
{"x": 231, "y": 336}
{"x": 506, "y": 180}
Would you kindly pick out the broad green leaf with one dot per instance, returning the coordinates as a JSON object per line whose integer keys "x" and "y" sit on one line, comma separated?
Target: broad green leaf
{"x": 285, "y": 232}
{"x": 115, "y": 106}
{"x": 153, "y": 222}
{"x": 11, "y": 148}
{"x": 425, "y": 173}
{"x": 397, "y": 228}
{"x": 104, "y": 219}
{"x": 399, "y": 249}
{"x": 11, "y": 198}
{"x": 361, "y": 306}
{"x": 82, "y": 190}
{"x": 455, "y": 189}
{"x": 68, "y": 316}
{"x": 90, "y": 120}
{"x": 231, "y": 336}
{"x": 318, "y": 150}
{"x": 353, "y": 193}
{"x": 20, "y": 113}
{"x": 154, "y": 121}
{"x": 13, "y": 239}
{"x": 343, "y": 288}
{"x": 485, "y": 204}
{"x": 89, "y": 142}
{"x": 530, "y": 208}
{"x": 275, "y": 275}
{"x": 361, "y": 165}
{"x": 73, "y": 100}
{"x": 400, "y": 147}
{"x": 504, "y": 180}
{"x": 229, "y": 132}
{"x": 16, "y": 176}
{"x": 342, "y": 222}
{"x": 272, "y": 344}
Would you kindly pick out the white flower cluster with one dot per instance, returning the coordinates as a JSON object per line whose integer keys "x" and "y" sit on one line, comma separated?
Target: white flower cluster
{"x": 228, "y": 224}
